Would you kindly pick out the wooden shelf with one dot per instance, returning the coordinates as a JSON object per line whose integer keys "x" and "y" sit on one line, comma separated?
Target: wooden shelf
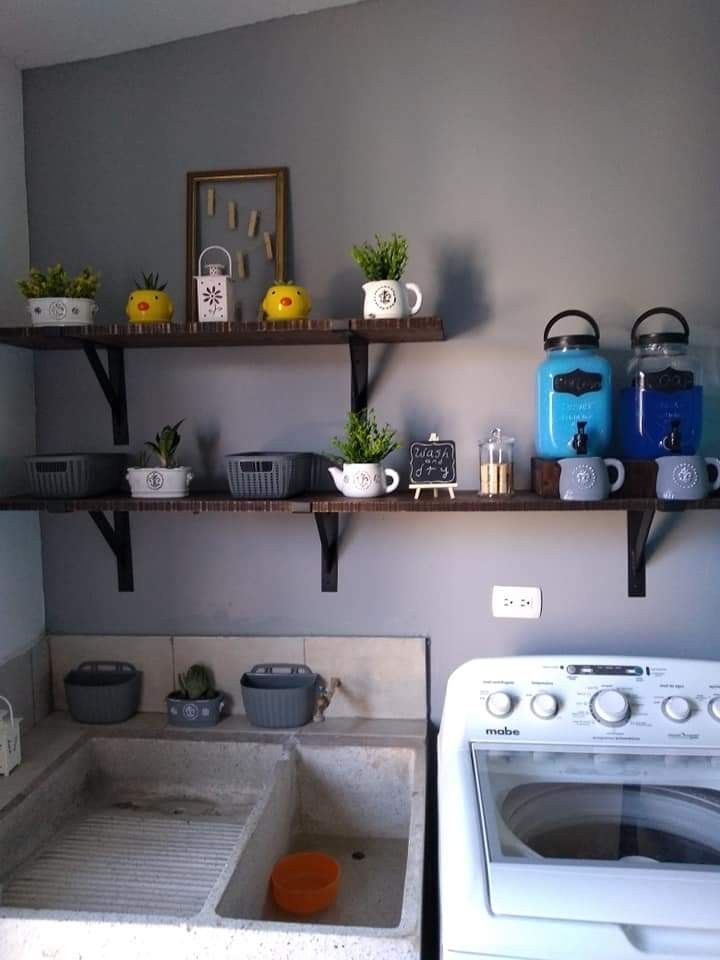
{"x": 285, "y": 333}
{"x": 326, "y": 510}
{"x": 355, "y": 334}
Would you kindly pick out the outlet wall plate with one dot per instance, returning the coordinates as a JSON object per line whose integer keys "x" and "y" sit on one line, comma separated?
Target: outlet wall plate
{"x": 524, "y": 603}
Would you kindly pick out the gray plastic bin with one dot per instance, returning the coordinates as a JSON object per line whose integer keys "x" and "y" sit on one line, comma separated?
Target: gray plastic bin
{"x": 268, "y": 476}
{"x": 75, "y": 474}
{"x": 279, "y": 695}
{"x": 103, "y": 691}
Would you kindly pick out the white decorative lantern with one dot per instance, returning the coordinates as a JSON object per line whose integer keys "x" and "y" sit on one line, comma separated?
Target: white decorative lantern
{"x": 215, "y": 290}
{"x": 9, "y": 739}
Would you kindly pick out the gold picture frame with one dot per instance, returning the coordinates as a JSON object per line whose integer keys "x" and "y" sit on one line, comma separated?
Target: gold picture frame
{"x": 207, "y": 178}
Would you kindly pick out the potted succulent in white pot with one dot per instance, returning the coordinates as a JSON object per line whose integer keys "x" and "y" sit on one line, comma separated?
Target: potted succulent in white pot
{"x": 196, "y": 702}
{"x": 383, "y": 265}
{"x": 167, "y": 480}
{"x": 362, "y": 450}
{"x": 55, "y": 299}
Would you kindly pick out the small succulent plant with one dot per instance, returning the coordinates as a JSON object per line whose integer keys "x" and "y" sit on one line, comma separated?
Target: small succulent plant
{"x": 196, "y": 683}
{"x": 150, "y": 281}
{"x": 165, "y": 444}
{"x": 57, "y": 282}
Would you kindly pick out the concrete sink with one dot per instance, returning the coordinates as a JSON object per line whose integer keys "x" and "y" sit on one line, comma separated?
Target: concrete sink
{"x": 163, "y": 846}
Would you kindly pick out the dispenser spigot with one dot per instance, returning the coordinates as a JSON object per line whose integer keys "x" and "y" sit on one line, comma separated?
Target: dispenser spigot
{"x": 673, "y": 441}
{"x": 580, "y": 440}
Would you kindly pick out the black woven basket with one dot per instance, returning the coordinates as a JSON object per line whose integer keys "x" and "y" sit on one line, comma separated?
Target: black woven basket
{"x": 103, "y": 691}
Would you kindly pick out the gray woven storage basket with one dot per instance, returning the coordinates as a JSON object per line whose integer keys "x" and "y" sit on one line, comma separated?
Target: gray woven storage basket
{"x": 103, "y": 691}
{"x": 279, "y": 695}
{"x": 75, "y": 474}
{"x": 268, "y": 476}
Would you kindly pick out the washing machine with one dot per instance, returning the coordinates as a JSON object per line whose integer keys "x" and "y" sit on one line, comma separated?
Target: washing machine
{"x": 579, "y": 809}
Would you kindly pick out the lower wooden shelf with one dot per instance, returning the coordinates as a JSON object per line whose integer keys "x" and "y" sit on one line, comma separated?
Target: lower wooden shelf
{"x": 326, "y": 509}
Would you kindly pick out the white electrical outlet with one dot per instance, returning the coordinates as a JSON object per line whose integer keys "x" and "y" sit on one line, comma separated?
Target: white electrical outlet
{"x": 522, "y": 602}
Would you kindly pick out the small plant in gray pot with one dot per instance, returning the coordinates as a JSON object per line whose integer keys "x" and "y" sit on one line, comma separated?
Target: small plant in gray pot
{"x": 196, "y": 702}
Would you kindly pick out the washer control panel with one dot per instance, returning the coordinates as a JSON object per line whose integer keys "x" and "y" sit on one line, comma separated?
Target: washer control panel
{"x": 578, "y": 699}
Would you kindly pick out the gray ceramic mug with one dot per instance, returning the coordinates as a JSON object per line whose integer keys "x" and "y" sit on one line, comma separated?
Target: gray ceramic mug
{"x": 686, "y": 478}
{"x": 586, "y": 478}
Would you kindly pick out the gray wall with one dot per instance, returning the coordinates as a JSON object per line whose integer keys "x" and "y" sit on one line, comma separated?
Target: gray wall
{"x": 539, "y": 154}
{"x": 21, "y": 599}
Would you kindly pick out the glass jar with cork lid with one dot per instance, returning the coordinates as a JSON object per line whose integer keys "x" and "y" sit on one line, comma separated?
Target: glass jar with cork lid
{"x": 496, "y": 465}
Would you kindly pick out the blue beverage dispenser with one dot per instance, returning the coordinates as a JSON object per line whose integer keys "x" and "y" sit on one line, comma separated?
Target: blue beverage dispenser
{"x": 574, "y": 393}
{"x": 661, "y": 406}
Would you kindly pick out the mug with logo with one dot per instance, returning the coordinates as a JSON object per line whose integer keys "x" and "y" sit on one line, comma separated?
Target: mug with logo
{"x": 587, "y": 478}
{"x": 686, "y": 478}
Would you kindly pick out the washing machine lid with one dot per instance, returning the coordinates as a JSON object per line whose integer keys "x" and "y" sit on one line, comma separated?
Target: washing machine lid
{"x": 614, "y": 837}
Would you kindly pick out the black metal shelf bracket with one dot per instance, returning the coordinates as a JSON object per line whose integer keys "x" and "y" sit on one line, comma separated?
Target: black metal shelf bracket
{"x": 117, "y": 538}
{"x": 328, "y": 525}
{"x": 358, "y": 373}
{"x": 639, "y": 523}
{"x": 112, "y": 383}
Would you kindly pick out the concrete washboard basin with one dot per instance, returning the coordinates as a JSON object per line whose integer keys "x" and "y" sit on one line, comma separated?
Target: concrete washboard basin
{"x": 163, "y": 846}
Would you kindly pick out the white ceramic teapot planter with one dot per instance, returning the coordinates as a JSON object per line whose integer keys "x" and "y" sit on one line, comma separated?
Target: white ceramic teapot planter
{"x": 364, "y": 480}
{"x": 160, "y": 482}
{"x": 387, "y": 300}
{"x": 61, "y": 311}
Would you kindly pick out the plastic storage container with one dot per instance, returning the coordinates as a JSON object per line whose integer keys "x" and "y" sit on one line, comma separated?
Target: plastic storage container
{"x": 75, "y": 474}
{"x": 574, "y": 385}
{"x": 102, "y": 691}
{"x": 661, "y": 406}
{"x": 496, "y": 465}
{"x": 268, "y": 476}
{"x": 279, "y": 695}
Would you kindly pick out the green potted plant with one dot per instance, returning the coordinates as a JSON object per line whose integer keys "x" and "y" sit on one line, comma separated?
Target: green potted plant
{"x": 196, "y": 702}
{"x": 55, "y": 299}
{"x": 383, "y": 265}
{"x": 166, "y": 480}
{"x": 362, "y": 449}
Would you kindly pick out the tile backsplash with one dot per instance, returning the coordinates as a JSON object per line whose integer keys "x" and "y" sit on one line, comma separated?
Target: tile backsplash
{"x": 25, "y": 681}
{"x": 381, "y": 676}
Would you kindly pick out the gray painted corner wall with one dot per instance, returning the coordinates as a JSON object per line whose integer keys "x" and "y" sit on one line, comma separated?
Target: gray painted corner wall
{"x": 21, "y": 598}
{"x": 539, "y": 154}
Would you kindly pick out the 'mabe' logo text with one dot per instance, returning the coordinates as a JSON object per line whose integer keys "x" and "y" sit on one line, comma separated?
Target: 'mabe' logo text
{"x": 501, "y": 732}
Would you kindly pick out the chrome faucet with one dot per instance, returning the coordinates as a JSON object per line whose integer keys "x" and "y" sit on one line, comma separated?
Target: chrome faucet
{"x": 324, "y": 696}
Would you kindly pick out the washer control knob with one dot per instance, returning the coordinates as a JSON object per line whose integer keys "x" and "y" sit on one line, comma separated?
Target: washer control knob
{"x": 499, "y": 704}
{"x": 714, "y": 708}
{"x": 677, "y": 709}
{"x": 544, "y": 706}
{"x": 610, "y": 707}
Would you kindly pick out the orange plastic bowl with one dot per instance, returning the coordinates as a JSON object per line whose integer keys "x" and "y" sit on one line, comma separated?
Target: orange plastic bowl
{"x": 305, "y": 883}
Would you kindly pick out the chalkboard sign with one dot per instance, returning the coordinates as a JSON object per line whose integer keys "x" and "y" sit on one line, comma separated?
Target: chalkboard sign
{"x": 433, "y": 465}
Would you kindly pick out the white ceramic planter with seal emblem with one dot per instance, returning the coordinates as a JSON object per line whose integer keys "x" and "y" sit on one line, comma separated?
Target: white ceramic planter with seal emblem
{"x": 61, "y": 311}
{"x": 364, "y": 480}
{"x": 387, "y": 300}
{"x": 159, "y": 482}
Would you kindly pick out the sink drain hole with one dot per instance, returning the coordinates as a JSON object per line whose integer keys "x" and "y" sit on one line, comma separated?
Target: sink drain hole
{"x": 358, "y": 855}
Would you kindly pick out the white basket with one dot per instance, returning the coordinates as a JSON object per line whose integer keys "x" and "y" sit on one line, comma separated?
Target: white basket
{"x": 10, "y": 753}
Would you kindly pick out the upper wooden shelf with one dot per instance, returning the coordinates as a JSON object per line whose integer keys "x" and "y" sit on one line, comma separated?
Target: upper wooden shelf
{"x": 284, "y": 333}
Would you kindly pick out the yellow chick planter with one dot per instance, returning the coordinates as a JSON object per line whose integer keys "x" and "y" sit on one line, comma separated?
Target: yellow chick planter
{"x": 287, "y": 301}
{"x": 149, "y": 303}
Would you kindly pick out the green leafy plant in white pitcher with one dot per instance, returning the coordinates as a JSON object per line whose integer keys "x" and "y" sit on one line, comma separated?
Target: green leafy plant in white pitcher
{"x": 384, "y": 264}
{"x": 362, "y": 449}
